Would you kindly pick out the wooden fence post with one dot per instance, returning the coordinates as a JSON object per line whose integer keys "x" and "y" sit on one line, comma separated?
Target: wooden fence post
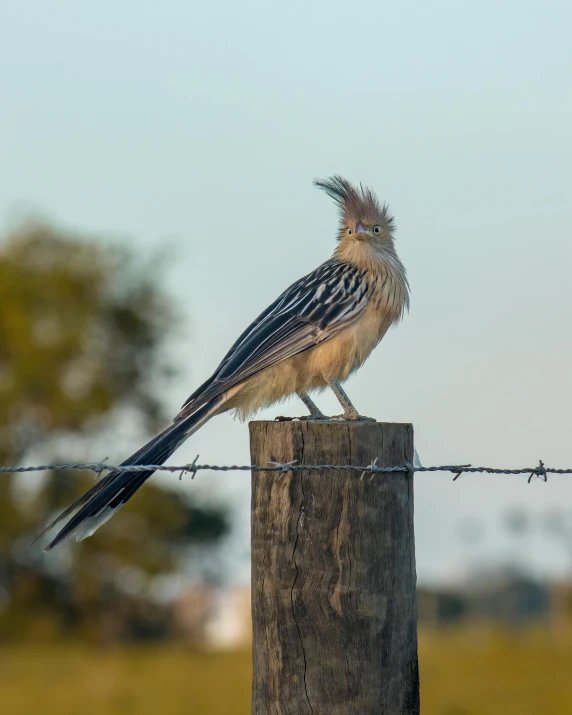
{"x": 333, "y": 572}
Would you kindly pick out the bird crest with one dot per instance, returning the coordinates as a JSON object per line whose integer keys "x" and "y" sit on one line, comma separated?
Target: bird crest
{"x": 356, "y": 203}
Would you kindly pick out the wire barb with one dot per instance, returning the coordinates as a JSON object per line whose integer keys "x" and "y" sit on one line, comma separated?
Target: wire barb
{"x": 284, "y": 466}
{"x": 190, "y": 468}
{"x": 540, "y": 471}
{"x": 370, "y": 469}
{"x": 99, "y": 471}
{"x": 462, "y": 468}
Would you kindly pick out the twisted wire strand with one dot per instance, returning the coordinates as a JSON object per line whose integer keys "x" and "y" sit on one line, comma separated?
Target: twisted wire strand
{"x": 99, "y": 467}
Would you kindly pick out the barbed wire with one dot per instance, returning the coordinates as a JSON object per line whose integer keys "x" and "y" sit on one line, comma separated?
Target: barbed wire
{"x": 192, "y": 468}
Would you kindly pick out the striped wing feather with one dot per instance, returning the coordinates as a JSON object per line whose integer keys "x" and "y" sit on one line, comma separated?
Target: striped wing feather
{"x": 310, "y": 311}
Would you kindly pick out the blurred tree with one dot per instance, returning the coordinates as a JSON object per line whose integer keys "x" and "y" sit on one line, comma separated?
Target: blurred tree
{"x": 517, "y": 521}
{"x": 558, "y": 524}
{"x": 82, "y": 325}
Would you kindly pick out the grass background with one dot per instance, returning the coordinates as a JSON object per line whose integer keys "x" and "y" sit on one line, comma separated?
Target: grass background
{"x": 473, "y": 671}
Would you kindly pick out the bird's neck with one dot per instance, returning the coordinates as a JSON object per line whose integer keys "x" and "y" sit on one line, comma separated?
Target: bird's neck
{"x": 373, "y": 260}
{"x": 387, "y": 272}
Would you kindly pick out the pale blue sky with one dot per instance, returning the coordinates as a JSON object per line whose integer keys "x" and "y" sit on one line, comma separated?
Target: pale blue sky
{"x": 205, "y": 124}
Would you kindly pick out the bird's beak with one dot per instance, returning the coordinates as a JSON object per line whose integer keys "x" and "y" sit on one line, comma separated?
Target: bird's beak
{"x": 361, "y": 233}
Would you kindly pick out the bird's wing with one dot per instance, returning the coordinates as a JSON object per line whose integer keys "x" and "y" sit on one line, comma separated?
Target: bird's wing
{"x": 310, "y": 311}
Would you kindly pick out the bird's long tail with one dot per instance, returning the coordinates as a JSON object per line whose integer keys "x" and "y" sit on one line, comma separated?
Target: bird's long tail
{"x": 109, "y": 494}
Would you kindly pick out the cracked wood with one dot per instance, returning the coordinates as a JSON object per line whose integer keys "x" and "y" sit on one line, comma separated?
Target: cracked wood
{"x": 333, "y": 572}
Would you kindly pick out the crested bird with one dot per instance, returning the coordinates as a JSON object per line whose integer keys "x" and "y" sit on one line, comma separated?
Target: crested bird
{"x": 314, "y": 335}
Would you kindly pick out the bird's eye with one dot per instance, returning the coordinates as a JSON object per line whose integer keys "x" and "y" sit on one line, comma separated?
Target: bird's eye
{"x": 350, "y": 232}
{"x": 377, "y": 229}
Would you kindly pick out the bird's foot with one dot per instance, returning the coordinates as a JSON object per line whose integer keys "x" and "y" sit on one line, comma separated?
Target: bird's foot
{"x": 346, "y": 417}
{"x": 351, "y": 417}
{"x": 305, "y": 418}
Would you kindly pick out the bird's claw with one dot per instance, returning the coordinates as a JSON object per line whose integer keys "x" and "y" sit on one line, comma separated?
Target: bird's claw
{"x": 304, "y": 418}
{"x": 352, "y": 417}
{"x": 349, "y": 417}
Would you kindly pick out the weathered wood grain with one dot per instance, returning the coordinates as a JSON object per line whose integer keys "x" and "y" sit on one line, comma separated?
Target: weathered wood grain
{"x": 333, "y": 572}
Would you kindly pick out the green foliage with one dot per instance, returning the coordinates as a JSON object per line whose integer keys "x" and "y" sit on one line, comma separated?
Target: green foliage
{"x": 82, "y": 328}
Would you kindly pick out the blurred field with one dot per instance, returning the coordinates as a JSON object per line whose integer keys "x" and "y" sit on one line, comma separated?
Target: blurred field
{"x": 487, "y": 670}
{"x": 80, "y": 680}
{"x": 521, "y": 673}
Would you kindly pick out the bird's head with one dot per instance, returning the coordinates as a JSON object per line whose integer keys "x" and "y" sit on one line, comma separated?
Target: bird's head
{"x": 365, "y": 224}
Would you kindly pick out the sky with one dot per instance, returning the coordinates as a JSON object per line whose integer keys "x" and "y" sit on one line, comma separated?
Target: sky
{"x": 200, "y": 126}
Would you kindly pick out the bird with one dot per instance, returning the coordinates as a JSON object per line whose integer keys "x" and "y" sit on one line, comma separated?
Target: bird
{"x": 317, "y": 333}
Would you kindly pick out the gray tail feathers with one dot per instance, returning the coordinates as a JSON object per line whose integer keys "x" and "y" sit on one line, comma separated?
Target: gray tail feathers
{"x": 109, "y": 494}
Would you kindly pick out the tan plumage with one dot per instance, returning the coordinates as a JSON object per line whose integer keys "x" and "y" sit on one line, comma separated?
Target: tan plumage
{"x": 319, "y": 331}
{"x": 344, "y": 353}
{"x": 338, "y": 357}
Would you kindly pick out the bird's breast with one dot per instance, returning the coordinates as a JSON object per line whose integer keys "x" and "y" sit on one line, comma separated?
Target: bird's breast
{"x": 346, "y": 351}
